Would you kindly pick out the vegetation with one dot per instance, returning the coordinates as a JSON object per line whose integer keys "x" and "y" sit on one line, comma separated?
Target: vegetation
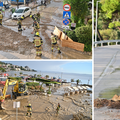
{"x": 49, "y": 92}
{"x": 2, "y": 69}
{"x": 47, "y": 76}
{"x": 72, "y": 80}
{"x": 15, "y": 78}
{"x": 78, "y": 81}
{"x": 32, "y": 84}
{"x": 79, "y": 12}
{"x": 108, "y": 19}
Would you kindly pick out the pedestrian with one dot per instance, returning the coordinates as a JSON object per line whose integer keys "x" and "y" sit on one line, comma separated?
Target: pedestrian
{"x": 38, "y": 44}
{"x": 58, "y": 108}
{"x": 54, "y": 39}
{"x": 1, "y": 17}
{"x": 29, "y": 110}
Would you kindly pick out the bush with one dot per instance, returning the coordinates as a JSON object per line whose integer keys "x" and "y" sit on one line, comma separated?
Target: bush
{"x": 84, "y": 35}
{"x": 15, "y": 78}
{"x": 90, "y": 22}
{"x": 111, "y": 25}
{"x": 117, "y": 24}
{"x": 71, "y": 34}
{"x": 109, "y": 34}
{"x": 32, "y": 84}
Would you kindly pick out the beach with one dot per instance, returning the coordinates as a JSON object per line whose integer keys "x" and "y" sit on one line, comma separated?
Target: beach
{"x": 44, "y": 107}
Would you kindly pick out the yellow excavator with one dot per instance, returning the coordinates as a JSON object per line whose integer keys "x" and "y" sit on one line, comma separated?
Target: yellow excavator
{"x": 19, "y": 89}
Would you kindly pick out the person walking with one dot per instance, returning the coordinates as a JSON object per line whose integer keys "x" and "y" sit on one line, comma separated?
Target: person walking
{"x": 19, "y": 23}
{"x": 58, "y": 108}
{"x": 54, "y": 39}
{"x": 38, "y": 44}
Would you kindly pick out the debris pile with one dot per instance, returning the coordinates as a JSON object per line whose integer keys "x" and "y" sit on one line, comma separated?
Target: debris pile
{"x": 113, "y": 103}
{"x": 80, "y": 116}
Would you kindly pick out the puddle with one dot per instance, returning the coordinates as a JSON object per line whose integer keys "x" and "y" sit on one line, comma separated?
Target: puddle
{"x": 109, "y": 93}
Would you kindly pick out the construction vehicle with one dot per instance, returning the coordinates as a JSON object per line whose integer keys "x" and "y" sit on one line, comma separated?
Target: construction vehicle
{"x": 19, "y": 89}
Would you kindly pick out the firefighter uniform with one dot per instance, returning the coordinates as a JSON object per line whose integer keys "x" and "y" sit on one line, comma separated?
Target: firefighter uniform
{"x": 1, "y": 17}
{"x": 54, "y": 43}
{"x": 36, "y": 27}
{"x": 38, "y": 44}
{"x": 29, "y": 110}
{"x": 38, "y": 17}
{"x": 20, "y": 23}
{"x": 34, "y": 18}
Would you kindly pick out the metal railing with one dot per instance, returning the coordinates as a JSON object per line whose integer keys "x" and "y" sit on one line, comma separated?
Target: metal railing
{"x": 106, "y": 41}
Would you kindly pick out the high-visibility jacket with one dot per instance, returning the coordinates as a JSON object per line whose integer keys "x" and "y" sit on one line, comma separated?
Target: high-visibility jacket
{"x": 38, "y": 15}
{"x": 38, "y": 41}
{"x": 19, "y": 22}
{"x": 37, "y": 26}
{"x": 1, "y": 16}
{"x": 29, "y": 108}
{"x": 53, "y": 39}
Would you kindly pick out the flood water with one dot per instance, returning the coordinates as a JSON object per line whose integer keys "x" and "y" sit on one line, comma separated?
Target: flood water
{"x": 109, "y": 93}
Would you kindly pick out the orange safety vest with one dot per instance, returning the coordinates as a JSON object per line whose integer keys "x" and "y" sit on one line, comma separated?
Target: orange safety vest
{"x": 37, "y": 41}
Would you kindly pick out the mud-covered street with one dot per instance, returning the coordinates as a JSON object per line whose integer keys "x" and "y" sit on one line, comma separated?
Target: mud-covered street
{"x": 20, "y": 45}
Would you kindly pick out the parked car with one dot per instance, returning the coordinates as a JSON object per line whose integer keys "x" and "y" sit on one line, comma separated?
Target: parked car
{"x": 7, "y": 6}
{"x": 21, "y": 12}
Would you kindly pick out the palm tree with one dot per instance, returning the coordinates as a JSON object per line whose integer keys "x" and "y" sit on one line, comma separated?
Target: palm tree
{"x": 78, "y": 81}
{"x": 72, "y": 80}
{"x": 47, "y": 76}
{"x": 15, "y": 74}
{"x": 38, "y": 76}
{"x": 21, "y": 73}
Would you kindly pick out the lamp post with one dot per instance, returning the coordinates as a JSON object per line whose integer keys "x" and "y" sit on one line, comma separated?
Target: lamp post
{"x": 96, "y": 22}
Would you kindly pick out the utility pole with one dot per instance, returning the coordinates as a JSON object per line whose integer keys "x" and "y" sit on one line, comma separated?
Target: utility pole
{"x": 96, "y": 22}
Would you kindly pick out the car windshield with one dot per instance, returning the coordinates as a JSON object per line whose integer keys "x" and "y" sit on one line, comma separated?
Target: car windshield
{"x": 19, "y": 11}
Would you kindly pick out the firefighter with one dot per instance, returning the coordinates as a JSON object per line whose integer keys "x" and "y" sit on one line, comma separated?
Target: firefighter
{"x": 38, "y": 44}
{"x": 34, "y": 18}
{"x": 1, "y": 17}
{"x": 54, "y": 42}
{"x": 20, "y": 23}
{"x": 29, "y": 110}
{"x": 38, "y": 17}
{"x": 36, "y": 27}
{"x": 58, "y": 108}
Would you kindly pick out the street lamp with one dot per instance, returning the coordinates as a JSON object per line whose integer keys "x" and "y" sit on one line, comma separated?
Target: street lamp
{"x": 96, "y": 21}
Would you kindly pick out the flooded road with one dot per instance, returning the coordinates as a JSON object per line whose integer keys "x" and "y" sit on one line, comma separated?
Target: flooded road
{"x": 20, "y": 44}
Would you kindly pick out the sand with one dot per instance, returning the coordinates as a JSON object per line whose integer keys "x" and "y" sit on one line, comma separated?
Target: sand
{"x": 44, "y": 107}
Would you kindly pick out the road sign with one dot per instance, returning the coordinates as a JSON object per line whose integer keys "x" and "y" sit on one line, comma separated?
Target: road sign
{"x": 67, "y": 14}
{"x": 66, "y": 21}
{"x": 65, "y": 27}
{"x": 16, "y": 104}
{"x": 1, "y": 4}
{"x": 73, "y": 24}
{"x": 66, "y": 7}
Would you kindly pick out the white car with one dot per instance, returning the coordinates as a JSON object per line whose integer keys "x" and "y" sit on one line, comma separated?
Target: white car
{"x": 21, "y": 12}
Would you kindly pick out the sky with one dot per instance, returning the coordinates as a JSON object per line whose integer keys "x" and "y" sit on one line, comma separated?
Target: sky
{"x": 80, "y": 67}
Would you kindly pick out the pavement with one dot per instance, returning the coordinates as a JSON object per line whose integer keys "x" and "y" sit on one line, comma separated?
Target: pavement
{"x": 106, "y": 77}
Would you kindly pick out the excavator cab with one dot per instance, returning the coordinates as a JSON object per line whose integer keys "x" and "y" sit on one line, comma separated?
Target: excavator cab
{"x": 20, "y": 89}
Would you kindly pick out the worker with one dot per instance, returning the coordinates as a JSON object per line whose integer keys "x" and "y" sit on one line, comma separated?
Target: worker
{"x": 36, "y": 27}
{"x": 54, "y": 42}
{"x": 20, "y": 23}
{"x": 1, "y": 17}
{"x": 29, "y": 110}
{"x": 38, "y": 17}
{"x": 58, "y": 108}
{"x": 34, "y": 18}
{"x": 38, "y": 44}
